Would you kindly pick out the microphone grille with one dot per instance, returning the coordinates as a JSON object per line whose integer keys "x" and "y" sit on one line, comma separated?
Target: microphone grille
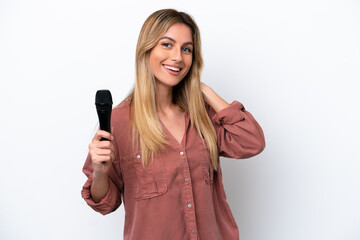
{"x": 103, "y": 97}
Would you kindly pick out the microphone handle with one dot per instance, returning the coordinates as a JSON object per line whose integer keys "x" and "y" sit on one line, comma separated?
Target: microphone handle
{"x": 104, "y": 120}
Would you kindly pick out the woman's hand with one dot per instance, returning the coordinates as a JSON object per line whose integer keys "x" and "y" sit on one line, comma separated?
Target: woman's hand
{"x": 211, "y": 97}
{"x": 102, "y": 153}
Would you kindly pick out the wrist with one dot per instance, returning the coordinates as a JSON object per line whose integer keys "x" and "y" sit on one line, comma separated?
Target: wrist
{"x": 99, "y": 176}
{"x": 214, "y": 100}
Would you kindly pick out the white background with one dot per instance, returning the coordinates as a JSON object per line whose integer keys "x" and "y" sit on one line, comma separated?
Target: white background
{"x": 293, "y": 64}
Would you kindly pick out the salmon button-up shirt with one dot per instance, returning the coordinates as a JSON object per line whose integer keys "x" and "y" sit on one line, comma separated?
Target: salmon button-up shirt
{"x": 179, "y": 196}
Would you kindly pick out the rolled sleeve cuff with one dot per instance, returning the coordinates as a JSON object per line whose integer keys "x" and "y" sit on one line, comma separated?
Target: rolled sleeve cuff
{"x": 230, "y": 114}
{"x": 107, "y": 204}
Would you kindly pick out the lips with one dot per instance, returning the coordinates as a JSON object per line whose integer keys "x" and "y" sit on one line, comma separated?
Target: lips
{"x": 172, "y": 68}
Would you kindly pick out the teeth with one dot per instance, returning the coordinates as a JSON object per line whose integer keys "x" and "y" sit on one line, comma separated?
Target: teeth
{"x": 172, "y": 68}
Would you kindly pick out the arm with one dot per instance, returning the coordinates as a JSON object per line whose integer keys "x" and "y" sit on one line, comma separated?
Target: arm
{"x": 239, "y": 134}
{"x": 99, "y": 187}
{"x": 214, "y": 100}
{"x": 102, "y": 190}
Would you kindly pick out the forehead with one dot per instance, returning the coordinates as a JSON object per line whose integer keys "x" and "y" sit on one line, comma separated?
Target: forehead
{"x": 179, "y": 32}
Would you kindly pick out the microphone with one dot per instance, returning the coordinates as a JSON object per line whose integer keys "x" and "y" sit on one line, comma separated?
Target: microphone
{"x": 103, "y": 102}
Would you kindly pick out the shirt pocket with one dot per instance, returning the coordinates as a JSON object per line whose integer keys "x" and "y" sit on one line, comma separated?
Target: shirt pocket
{"x": 207, "y": 169}
{"x": 146, "y": 183}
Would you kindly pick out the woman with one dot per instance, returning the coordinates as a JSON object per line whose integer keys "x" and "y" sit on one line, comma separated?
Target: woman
{"x": 163, "y": 157}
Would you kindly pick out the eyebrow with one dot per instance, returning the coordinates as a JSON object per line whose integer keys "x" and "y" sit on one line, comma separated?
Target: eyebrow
{"x": 173, "y": 40}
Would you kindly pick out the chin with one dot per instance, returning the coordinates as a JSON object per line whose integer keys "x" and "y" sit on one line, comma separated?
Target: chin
{"x": 168, "y": 83}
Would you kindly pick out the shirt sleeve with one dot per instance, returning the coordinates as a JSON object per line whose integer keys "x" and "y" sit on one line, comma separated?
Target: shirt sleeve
{"x": 112, "y": 199}
{"x": 239, "y": 135}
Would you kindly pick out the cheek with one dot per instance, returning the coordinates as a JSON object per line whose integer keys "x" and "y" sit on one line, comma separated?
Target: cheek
{"x": 156, "y": 58}
{"x": 153, "y": 62}
{"x": 189, "y": 63}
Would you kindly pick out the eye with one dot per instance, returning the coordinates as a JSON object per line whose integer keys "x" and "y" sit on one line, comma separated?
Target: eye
{"x": 188, "y": 50}
{"x": 167, "y": 45}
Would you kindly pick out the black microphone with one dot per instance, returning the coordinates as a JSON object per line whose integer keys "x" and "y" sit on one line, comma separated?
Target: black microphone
{"x": 103, "y": 102}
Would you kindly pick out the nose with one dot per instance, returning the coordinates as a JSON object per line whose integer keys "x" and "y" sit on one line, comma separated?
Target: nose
{"x": 176, "y": 55}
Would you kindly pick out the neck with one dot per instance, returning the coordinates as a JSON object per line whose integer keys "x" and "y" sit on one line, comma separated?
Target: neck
{"x": 164, "y": 98}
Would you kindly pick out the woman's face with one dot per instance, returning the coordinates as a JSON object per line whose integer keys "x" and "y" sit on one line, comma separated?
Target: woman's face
{"x": 171, "y": 59}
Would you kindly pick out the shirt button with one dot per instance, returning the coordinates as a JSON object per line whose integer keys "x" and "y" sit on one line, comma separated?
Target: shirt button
{"x": 186, "y": 179}
{"x": 181, "y": 153}
{"x": 189, "y": 206}
{"x": 192, "y": 230}
{"x": 138, "y": 156}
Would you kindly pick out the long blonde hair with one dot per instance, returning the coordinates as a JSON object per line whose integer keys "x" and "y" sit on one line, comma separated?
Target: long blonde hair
{"x": 144, "y": 120}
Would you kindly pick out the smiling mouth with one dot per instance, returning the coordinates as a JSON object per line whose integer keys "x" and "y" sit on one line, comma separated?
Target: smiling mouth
{"x": 174, "y": 69}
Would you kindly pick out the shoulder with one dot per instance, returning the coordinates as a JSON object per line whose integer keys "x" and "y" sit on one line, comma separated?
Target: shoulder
{"x": 120, "y": 125}
{"x": 120, "y": 114}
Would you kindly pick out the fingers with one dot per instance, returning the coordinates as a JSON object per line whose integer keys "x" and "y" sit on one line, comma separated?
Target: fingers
{"x": 102, "y": 148}
{"x": 102, "y": 134}
{"x": 102, "y": 144}
{"x": 101, "y": 158}
{"x": 102, "y": 151}
{"x": 107, "y": 152}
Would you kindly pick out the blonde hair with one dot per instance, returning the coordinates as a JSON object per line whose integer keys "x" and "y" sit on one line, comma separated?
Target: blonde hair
{"x": 144, "y": 120}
